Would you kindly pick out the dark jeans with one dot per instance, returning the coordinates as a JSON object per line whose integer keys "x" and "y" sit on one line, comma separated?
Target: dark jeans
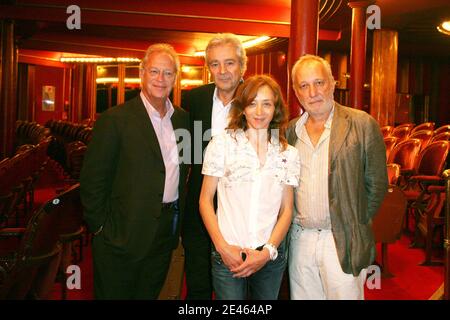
{"x": 262, "y": 285}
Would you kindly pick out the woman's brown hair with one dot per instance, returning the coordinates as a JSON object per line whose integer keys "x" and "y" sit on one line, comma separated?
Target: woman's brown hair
{"x": 246, "y": 93}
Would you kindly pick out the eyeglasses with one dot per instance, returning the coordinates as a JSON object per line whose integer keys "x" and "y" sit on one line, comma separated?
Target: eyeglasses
{"x": 155, "y": 72}
{"x": 318, "y": 84}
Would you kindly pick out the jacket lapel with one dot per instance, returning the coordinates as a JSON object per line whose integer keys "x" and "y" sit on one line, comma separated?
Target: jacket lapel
{"x": 144, "y": 125}
{"x": 291, "y": 135}
{"x": 206, "y": 107}
{"x": 339, "y": 130}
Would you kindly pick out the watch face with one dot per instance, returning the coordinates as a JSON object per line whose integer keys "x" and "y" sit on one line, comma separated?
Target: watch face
{"x": 273, "y": 252}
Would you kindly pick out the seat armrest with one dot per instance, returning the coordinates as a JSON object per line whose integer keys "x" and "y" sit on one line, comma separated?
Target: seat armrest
{"x": 11, "y": 232}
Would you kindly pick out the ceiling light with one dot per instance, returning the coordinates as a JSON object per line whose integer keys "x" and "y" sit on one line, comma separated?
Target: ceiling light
{"x": 254, "y": 42}
{"x": 98, "y": 59}
{"x": 246, "y": 44}
{"x": 444, "y": 27}
{"x": 116, "y": 80}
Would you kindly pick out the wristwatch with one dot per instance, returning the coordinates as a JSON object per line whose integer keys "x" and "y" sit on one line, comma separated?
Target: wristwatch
{"x": 273, "y": 252}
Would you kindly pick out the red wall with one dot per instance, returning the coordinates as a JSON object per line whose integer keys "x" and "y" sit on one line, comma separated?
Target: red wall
{"x": 48, "y": 76}
{"x": 272, "y": 63}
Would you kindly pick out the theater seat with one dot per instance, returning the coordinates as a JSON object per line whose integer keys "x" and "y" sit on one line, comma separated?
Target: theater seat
{"x": 389, "y": 142}
{"x": 386, "y": 131}
{"x": 405, "y": 154}
{"x": 37, "y": 252}
{"x": 428, "y": 172}
{"x": 443, "y": 136}
{"x": 423, "y": 135}
{"x": 423, "y": 126}
{"x": 431, "y": 219}
{"x": 444, "y": 128}
{"x": 402, "y": 132}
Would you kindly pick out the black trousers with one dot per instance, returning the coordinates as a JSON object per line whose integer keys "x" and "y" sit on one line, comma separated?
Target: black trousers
{"x": 121, "y": 277}
{"x": 197, "y": 254}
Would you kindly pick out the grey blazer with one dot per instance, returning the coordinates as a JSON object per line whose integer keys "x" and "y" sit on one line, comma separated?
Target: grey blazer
{"x": 357, "y": 183}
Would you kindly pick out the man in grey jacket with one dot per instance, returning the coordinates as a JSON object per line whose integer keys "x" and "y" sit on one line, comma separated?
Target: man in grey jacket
{"x": 343, "y": 180}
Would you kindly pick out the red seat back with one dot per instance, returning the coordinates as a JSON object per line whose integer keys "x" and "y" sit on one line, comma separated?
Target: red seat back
{"x": 405, "y": 153}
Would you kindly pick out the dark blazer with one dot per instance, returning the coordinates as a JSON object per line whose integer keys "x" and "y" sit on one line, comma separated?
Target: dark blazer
{"x": 357, "y": 183}
{"x": 199, "y": 102}
{"x": 122, "y": 179}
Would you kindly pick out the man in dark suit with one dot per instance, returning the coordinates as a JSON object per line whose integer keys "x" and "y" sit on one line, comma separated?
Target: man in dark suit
{"x": 208, "y": 106}
{"x": 132, "y": 184}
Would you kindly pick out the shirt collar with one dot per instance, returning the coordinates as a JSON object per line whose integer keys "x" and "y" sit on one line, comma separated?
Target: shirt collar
{"x": 152, "y": 112}
{"x": 216, "y": 98}
{"x": 304, "y": 118}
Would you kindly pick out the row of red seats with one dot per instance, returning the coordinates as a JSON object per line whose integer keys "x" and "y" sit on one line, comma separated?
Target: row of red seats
{"x": 66, "y": 131}
{"x": 416, "y": 165}
{"x": 30, "y": 133}
{"x": 18, "y": 176}
{"x": 70, "y": 144}
{"x": 424, "y": 132}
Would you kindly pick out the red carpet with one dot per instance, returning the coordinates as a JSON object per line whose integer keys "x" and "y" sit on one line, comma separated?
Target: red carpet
{"x": 411, "y": 281}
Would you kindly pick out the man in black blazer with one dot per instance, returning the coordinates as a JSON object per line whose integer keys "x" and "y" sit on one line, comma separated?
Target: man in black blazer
{"x": 208, "y": 106}
{"x": 132, "y": 184}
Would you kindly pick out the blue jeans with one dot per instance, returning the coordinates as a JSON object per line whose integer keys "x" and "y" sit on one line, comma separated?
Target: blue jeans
{"x": 262, "y": 285}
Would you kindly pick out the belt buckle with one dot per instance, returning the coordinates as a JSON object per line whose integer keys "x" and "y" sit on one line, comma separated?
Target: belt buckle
{"x": 170, "y": 205}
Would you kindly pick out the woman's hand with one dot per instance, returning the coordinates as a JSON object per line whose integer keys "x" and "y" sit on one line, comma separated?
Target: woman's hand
{"x": 254, "y": 261}
{"x": 231, "y": 256}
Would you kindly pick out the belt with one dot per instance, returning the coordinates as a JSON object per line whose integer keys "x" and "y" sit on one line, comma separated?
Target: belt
{"x": 170, "y": 205}
{"x": 313, "y": 229}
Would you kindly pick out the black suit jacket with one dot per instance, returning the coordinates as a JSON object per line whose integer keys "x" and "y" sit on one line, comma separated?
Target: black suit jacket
{"x": 199, "y": 102}
{"x": 123, "y": 175}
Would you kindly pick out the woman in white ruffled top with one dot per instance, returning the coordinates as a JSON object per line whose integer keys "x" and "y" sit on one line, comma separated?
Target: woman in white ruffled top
{"x": 253, "y": 170}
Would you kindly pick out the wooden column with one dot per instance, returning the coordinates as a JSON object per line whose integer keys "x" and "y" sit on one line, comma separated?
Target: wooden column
{"x": 121, "y": 85}
{"x": 304, "y": 34}
{"x": 384, "y": 76}
{"x": 90, "y": 91}
{"x": 358, "y": 52}
{"x": 77, "y": 92}
{"x": 8, "y": 89}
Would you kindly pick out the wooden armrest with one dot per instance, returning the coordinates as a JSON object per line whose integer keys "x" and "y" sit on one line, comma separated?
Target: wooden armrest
{"x": 11, "y": 232}
{"x": 427, "y": 178}
{"x": 406, "y": 172}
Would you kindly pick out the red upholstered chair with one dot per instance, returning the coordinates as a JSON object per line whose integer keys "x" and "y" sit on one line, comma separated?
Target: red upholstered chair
{"x": 29, "y": 269}
{"x": 409, "y": 125}
{"x": 404, "y": 154}
{"x": 443, "y": 136}
{"x": 444, "y": 128}
{"x": 388, "y": 221}
{"x": 428, "y": 172}
{"x": 390, "y": 144}
{"x": 401, "y": 132}
{"x": 430, "y": 219}
{"x": 386, "y": 130}
{"x": 423, "y": 135}
{"x": 36, "y": 252}
{"x": 423, "y": 126}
